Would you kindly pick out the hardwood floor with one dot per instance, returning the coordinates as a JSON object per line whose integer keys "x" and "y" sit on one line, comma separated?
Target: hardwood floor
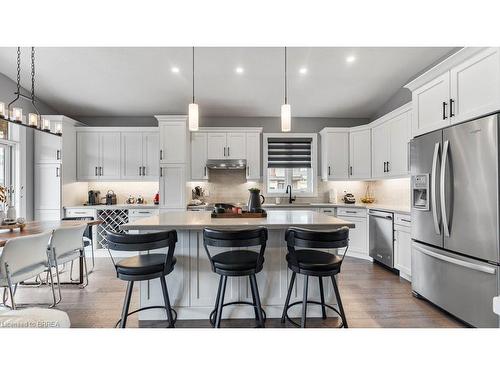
{"x": 372, "y": 297}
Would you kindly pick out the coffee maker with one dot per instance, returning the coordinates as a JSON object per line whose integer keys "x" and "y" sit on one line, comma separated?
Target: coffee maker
{"x": 94, "y": 197}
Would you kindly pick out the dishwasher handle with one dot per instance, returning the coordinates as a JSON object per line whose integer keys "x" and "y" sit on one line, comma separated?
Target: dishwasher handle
{"x": 382, "y": 216}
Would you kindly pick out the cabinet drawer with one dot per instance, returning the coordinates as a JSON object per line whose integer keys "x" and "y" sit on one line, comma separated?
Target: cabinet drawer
{"x": 80, "y": 212}
{"x": 330, "y": 211}
{"x": 404, "y": 220}
{"x": 143, "y": 211}
{"x": 346, "y": 211}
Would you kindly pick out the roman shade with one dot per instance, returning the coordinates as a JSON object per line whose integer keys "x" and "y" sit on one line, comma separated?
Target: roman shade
{"x": 289, "y": 152}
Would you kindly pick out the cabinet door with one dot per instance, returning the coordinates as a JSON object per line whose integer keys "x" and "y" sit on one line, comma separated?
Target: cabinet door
{"x": 236, "y": 146}
{"x": 151, "y": 155}
{"x": 173, "y": 143}
{"x": 475, "y": 86}
{"x": 253, "y": 156}
{"x": 87, "y": 156}
{"x": 199, "y": 156}
{"x": 431, "y": 105}
{"x": 110, "y": 146}
{"x": 360, "y": 154}
{"x": 399, "y": 136}
{"x": 173, "y": 186}
{"x": 380, "y": 150}
{"x": 131, "y": 159}
{"x": 358, "y": 237}
{"x": 337, "y": 155}
{"x": 216, "y": 145}
{"x": 47, "y": 148}
{"x": 48, "y": 186}
{"x": 402, "y": 249}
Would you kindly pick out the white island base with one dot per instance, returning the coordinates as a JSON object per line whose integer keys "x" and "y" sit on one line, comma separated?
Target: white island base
{"x": 192, "y": 286}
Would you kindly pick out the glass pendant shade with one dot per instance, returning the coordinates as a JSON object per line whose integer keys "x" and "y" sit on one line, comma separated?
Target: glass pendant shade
{"x": 286, "y": 118}
{"x": 193, "y": 117}
{"x": 33, "y": 119}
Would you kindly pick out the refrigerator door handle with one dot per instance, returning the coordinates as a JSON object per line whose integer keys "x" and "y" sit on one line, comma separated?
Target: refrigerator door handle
{"x": 444, "y": 160}
{"x": 435, "y": 157}
{"x": 458, "y": 262}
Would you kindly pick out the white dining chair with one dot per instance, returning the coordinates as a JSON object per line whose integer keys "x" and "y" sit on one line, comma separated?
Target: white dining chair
{"x": 22, "y": 259}
{"x": 66, "y": 245}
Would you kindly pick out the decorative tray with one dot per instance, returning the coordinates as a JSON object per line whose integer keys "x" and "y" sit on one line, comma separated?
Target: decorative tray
{"x": 13, "y": 226}
{"x": 243, "y": 215}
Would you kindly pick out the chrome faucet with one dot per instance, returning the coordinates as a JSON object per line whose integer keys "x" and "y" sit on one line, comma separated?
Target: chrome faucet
{"x": 289, "y": 191}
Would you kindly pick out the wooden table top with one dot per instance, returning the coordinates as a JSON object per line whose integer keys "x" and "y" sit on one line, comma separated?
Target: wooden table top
{"x": 35, "y": 227}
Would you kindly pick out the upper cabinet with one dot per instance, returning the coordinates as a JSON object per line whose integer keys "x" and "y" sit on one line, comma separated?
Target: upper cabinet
{"x": 140, "y": 156}
{"x": 334, "y": 154}
{"x": 226, "y": 143}
{"x": 173, "y": 140}
{"x": 360, "y": 164}
{"x": 48, "y": 149}
{"x": 98, "y": 156}
{"x": 462, "y": 87}
{"x": 390, "y": 144}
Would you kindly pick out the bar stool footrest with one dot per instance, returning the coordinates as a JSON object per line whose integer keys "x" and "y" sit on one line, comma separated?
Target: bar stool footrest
{"x": 212, "y": 313}
{"x": 149, "y": 308}
{"x": 314, "y": 303}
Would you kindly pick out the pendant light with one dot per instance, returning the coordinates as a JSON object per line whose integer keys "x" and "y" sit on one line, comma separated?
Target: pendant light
{"x": 286, "y": 110}
{"x": 193, "y": 109}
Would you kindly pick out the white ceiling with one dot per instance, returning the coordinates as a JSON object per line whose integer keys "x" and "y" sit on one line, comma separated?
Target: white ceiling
{"x": 132, "y": 81}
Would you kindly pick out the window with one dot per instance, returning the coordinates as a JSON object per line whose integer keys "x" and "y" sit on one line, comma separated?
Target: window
{"x": 6, "y": 166}
{"x": 290, "y": 160}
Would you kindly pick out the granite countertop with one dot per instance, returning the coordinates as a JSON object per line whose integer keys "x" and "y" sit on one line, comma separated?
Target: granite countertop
{"x": 276, "y": 219}
{"x": 113, "y": 206}
{"x": 378, "y": 206}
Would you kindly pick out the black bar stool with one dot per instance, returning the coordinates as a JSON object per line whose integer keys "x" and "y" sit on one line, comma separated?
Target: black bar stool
{"x": 145, "y": 266}
{"x": 316, "y": 263}
{"x": 236, "y": 263}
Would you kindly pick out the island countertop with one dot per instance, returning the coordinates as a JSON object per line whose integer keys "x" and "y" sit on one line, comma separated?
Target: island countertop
{"x": 276, "y": 219}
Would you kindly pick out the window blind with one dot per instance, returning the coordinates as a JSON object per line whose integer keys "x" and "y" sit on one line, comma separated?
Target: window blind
{"x": 289, "y": 152}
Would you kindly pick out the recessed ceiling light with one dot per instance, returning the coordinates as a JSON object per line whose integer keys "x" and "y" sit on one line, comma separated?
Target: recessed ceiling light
{"x": 175, "y": 69}
{"x": 303, "y": 70}
{"x": 350, "y": 59}
{"x": 239, "y": 70}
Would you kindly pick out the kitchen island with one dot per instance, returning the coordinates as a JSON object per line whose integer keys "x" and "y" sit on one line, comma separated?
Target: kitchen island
{"x": 193, "y": 286}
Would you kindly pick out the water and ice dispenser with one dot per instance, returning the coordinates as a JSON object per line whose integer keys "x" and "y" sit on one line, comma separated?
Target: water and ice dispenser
{"x": 420, "y": 192}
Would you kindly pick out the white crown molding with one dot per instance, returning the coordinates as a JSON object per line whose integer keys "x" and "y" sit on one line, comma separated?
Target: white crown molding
{"x": 215, "y": 129}
{"x": 116, "y": 129}
{"x": 398, "y": 111}
{"x": 171, "y": 118}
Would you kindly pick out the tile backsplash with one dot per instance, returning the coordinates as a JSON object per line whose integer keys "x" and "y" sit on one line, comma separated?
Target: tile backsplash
{"x": 232, "y": 187}
{"x": 123, "y": 189}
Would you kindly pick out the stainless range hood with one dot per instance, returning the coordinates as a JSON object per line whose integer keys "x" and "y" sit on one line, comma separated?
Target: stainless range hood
{"x": 226, "y": 163}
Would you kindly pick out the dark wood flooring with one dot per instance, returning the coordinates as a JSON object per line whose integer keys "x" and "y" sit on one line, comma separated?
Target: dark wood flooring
{"x": 372, "y": 296}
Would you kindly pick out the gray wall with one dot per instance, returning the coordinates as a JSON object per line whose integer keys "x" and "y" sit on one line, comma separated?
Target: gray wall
{"x": 7, "y": 89}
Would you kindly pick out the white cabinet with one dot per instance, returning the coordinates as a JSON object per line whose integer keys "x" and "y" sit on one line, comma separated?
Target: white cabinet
{"x": 199, "y": 156}
{"x": 226, "y": 145}
{"x": 236, "y": 145}
{"x": 390, "y": 144}
{"x": 358, "y": 236}
{"x": 475, "y": 86}
{"x": 173, "y": 186}
{"x": 47, "y": 148}
{"x": 173, "y": 141}
{"x": 216, "y": 148}
{"x": 98, "y": 156}
{"x": 253, "y": 156}
{"x": 47, "y": 191}
{"x": 334, "y": 154}
{"x": 402, "y": 245}
{"x": 462, "y": 87}
{"x": 140, "y": 156}
{"x": 360, "y": 153}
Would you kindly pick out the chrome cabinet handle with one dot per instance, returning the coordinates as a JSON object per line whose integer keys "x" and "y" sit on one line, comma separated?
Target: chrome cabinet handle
{"x": 205, "y": 171}
{"x": 58, "y": 155}
{"x": 388, "y": 167}
{"x": 437, "y": 220}
{"x": 444, "y": 162}
{"x": 100, "y": 171}
{"x": 143, "y": 170}
{"x": 329, "y": 171}
{"x": 406, "y": 220}
{"x": 451, "y": 108}
{"x": 444, "y": 110}
{"x": 350, "y": 170}
{"x": 96, "y": 171}
{"x": 161, "y": 154}
{"x": 57, "y": 172}
{"x": 140, "y": 171}
{"x": 161, "y": 172}
{"x": 224, "y": 150}
{"x": 227, "y": 150}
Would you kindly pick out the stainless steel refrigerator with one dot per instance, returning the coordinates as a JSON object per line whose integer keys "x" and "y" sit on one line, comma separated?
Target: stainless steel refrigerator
{"x": 455, "y": 226}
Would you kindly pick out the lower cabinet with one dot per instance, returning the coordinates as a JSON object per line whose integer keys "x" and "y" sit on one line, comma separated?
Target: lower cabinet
{"x": 47, "y": 194}
{"x": 402, "y": 245}
{"x": 358, "y": 236}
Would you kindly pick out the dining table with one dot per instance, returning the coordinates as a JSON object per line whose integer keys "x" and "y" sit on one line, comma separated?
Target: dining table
{"x": 36, "y": 227}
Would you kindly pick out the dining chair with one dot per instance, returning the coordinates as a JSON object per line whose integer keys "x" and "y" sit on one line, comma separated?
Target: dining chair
{"x": 66, "y": 245}
{"x": 22, "y": 259}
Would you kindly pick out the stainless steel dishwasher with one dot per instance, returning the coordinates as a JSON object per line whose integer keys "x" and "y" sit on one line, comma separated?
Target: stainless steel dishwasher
{"x": 381, "y": 225}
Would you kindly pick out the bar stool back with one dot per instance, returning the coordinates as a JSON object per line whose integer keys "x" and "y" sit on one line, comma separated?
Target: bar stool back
{"x": 241, "y": 262}
{"x": 144, "y": 267}
{"x": 302, "y": 258}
